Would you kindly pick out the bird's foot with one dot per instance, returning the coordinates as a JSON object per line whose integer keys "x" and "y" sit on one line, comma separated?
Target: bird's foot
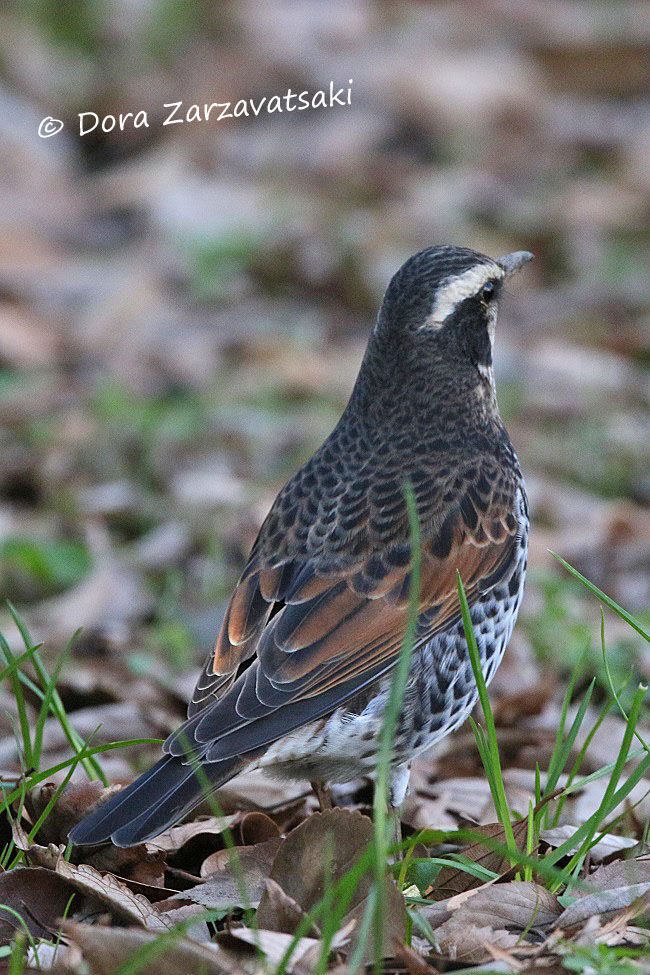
{"x": 323, "y": 794}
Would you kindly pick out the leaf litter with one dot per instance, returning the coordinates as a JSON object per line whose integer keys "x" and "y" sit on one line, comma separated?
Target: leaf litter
{"x": 154, "y": 396}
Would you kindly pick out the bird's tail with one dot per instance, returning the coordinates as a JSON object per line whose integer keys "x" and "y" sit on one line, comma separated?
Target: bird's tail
{"x": 155, "y": 801}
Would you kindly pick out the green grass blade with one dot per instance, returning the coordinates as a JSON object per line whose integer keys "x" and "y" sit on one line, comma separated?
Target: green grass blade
{"x": 560, "y": 752}
{"x": 37, "y": 777}
{"x": 577, "y": 765}
{"x": 605, "y": 808}
{"x": 90, "y": 765}
{"x": 47, "y": 699}
{"x": 23, "y": 718}
{"x": 610, "y": 682}
{"x": 493, "y": 766}
{"x": 389, "y": 726}
{"x": 565, "y": 747}
{"x": 604, "y": 598}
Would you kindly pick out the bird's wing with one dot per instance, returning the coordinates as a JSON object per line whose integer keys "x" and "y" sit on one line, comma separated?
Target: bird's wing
{"x": 304, "y": 634}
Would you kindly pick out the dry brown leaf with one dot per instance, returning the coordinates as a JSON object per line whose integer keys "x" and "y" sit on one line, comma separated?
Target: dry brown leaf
{"x": 146, "y": 870}
{"x": 511, "y": 709}
{"x": 607, "y": 902}
{"x": 619, "y": 873}
{"x": 20, "y": 837}
{"x": 105, "y": 949}
{"x": 234, "y": 877}
{"x": 74, "y": 802}
{"x": 198, "y": 929}
{"x": 281, "y": 912}
{"x": 318, "y": 852}
{"x": 176, "y": 837}
{"x": 461, "y": 941}
{"x": 121, "y": 901}
{"x": 506, "y": 957}
{"x": 133, "y": 863}
{"x": 274, "y": 944}
{"x": 252, "y": 860}
{"x": 223, "y": 893}
{"x": 140, "y": 866}
{"x": 453, "y": 903}
{"x": 35, "y": 854}
{"x": 39, "y": 896}
{"x": 514, "y": 905}
{"x": 423, "y": 812}
{"x": 452, "y": 881}
{"x": 256, "y": 828}
{"x": 324, "y": 845}
{"x": 413, "y": 963}
{"x": 470, "y": 798}
{"x": 606, "y": 845}
{"x": 44, "y": 856}
{"x": 258, "y": 790}
{"x": 152, "y": 892}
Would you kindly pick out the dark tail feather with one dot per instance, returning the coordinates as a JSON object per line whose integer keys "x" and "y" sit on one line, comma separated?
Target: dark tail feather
{"x": 155, "y": 801}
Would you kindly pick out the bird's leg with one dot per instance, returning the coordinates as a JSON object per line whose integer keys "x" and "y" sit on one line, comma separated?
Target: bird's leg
{"x": 323, "y": 794}
{"x": 397, "y": 792}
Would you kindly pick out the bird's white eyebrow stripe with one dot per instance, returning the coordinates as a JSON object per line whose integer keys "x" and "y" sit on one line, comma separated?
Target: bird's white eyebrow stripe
{"x": 462, "y": 286}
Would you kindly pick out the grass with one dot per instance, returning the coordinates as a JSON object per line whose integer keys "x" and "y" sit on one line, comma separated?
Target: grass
{"x": 44, "y": 566}
{"x": 558, "y": 869}
{"x": 389, "y": 729}
{"x": 42, "y": 685}
{"x": 562, "y": 633}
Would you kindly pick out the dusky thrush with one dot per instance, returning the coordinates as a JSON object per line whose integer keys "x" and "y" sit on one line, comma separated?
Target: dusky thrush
{"x": 299, "y": 678}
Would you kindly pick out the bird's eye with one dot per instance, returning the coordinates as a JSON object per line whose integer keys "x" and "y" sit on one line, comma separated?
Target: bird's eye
{"x": 487, "y": 291}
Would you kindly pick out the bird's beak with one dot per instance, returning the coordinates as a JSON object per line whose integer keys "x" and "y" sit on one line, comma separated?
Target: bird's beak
{"x": 513, "y": 262}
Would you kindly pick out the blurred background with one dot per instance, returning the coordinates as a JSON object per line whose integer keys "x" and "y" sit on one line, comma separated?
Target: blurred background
{"x": 183, "y": 308}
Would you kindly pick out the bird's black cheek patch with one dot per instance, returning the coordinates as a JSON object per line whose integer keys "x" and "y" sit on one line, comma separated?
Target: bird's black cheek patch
{"x": 480, "y": 347}
{"x": 469, "y": 331}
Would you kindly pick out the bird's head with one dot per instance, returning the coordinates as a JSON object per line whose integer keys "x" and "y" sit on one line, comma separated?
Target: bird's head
{"x": 441, "y": 307}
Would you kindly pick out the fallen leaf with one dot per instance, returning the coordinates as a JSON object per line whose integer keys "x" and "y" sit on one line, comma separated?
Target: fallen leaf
{"x": 176, "y": 837}
{"x": 606, "y": 902}
{"x": 274, "y": 944}
{"x": 134, "y": 863}
{"x": 105, "y": 950}
{"x": 464, "y": 942}
{"x": 517, "y": 904}
{"x": 257, "y": 789}
{"x": 452, "y": 881}
{"x": 414, "y": 963}
{"x": 256, "y": 859}
{"x": 73, "y": 804}
{"x": 619, "y": 873}
{"x": 256, "y": 827}
{"x": 507, "y": 958}
{"x": 37, "y": 895}
{"x": 235, "y": 877}
{"x": 511, "y": 709}
{"x": 319, "y": 852}
{"x": 197, "y": 929}
{"x": 281, "y": 912}
{"x": 121, "y": 901}
{"x": 470, "y": 798}
{"x": 606, "y": 845}
{"x": 222, "y": 894}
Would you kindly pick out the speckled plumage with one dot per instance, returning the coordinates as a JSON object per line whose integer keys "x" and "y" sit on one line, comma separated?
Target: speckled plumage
{"x": 299, "y": 678}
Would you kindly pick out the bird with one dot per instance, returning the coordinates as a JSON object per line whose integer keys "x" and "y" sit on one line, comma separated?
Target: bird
{"x": 298, "y": 681}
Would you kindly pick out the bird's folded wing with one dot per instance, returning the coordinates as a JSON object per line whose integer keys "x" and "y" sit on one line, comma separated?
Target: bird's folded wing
{"x": 318, "y": 637}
